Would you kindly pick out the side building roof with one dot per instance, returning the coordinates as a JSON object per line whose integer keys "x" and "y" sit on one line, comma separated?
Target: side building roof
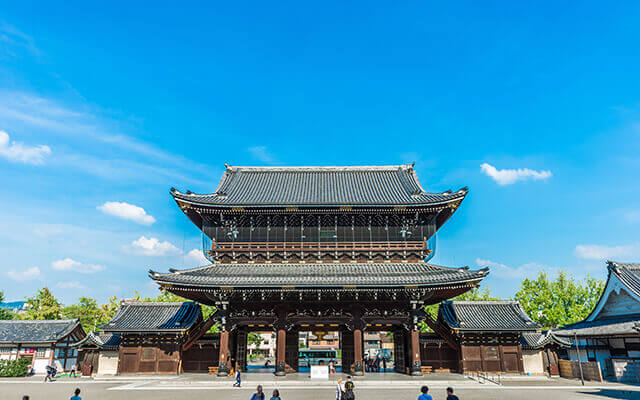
{"x": 486, "y": 316}
{"x": 36, "y": 331}
{"x": 538, "y": 340}
{"x": 103, "y": 341}
{"x": 371, "y": 186}
{"x": 161, "y": 317}
{"x": 312, "y": 275}
{"x": 625, "y": 320}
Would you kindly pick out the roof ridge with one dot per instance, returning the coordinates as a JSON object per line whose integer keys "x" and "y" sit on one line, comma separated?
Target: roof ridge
{"x": 484, "y": 301}
{"x": 155, "y": 303}
{"x": 385, "y": 167}
{"x": 46, "y": 321}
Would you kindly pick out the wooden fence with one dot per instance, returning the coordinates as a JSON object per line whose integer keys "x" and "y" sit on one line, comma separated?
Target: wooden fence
{"x": 590, "y": 370}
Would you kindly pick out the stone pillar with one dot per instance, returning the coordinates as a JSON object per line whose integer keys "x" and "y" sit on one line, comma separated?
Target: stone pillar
{"x": 357, "y": 352}
{"x": 281, "y": 342}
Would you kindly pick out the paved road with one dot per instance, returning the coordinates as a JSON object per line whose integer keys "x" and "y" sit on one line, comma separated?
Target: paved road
{"x": 113, "y": 391}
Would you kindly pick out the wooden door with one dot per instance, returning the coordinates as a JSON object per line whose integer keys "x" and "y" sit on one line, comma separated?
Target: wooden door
{"x": 291, "y": 349}
{"x": 400, "y": 351}
{"x": 347, "y": 351}
{"x": 241, "y": 350}
{"x": 128, "y": 361}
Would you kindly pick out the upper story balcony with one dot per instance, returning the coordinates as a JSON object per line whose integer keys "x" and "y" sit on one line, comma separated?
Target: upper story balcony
{"x": 338, "y": 250}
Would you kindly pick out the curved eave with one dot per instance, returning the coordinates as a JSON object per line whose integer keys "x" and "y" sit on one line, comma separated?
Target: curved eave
{"x": 166, "y": 279}
{"x": 183, "y": 198}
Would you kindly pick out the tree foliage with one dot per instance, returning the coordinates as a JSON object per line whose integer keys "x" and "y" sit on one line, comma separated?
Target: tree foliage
{"x": 254, "y": 338}
{"x": 86, "y": 310}
{"x": 4, "y": 314}
{"x": 43, "y": 306}
{"x": 553, "y": 303}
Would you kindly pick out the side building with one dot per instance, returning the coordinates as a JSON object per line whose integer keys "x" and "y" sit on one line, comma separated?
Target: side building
{"x": 610, "y": 334}
{"x": 154, "y": 336}
{"x": 44, "y": 342}
{"x": 484, "y": 334}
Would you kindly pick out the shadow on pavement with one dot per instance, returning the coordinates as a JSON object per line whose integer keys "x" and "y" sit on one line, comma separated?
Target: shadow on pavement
{"x": 614, "y": 394}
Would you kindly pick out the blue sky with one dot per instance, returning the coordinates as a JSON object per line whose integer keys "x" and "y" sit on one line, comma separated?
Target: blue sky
{"x": 104, "y": 104}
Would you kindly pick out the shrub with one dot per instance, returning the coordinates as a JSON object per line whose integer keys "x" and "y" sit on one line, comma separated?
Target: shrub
{"x": 14, "y": 368}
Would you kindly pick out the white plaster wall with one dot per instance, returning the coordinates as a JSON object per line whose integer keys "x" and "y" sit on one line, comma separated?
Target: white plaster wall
{"x": 108, "y": 363}
{"x": 40, "y": 366}
{"x": 532, "y": 361}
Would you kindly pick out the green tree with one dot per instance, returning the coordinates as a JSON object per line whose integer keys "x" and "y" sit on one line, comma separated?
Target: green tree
{"x": 87, "y": 311}
{"x": 107, "y": 311}
{"x": 254, "y": 338}
{"x": 4, "y": 314}
{"x": 561, "y": 301}
{"x": 43, "y": 306}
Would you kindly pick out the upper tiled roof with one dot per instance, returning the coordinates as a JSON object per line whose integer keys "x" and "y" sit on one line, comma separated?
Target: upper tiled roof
{"x": 626, "y": 325}
{"x": 317, "y": 275}
{"x": 320, "y": 186}
{"x": 537, "y": 340}
{"x": 36, "y": 331}
{"x": 135, "y": 316}
{"x": 628, "y": 273}
{"x": 486, "y": 316}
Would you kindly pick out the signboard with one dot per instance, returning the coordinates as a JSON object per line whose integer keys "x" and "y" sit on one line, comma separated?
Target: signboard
{"x": 320, "y": 372}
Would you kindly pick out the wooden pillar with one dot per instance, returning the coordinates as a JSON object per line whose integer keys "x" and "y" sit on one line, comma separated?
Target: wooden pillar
{"x": 224, "y": 360}
{"x": 357, "y": 351}
{"x": 415, "y": 352}
{"x": 281, "y": 342}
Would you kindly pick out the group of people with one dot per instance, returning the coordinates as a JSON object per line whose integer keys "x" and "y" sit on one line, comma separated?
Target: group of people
{"x": 75, "y": 396}
{"x": 373, "y": 364}
{"x": 259, "y": 394}
{"x": 424, "y": 394}
{"x": 345, "y": 391}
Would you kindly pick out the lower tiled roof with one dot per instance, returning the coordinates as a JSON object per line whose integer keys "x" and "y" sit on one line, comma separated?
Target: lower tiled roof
{"x": 135, "y": 316}
{"x": 36, "y": 331}
{"x": 325, "y": 274}
{"x": 627, "y": 325}
{"x": 537, "y": 340}
{"x": 103, "y": 341}
{"x": 486, "y": 316}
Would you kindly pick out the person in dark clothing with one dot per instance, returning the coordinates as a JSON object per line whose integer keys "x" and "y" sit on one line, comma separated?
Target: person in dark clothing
{"x": 51, "y": 373}
{"x": 450, "y": 395}
{"x": 348, "y": 390}
{"x": 384, "y": 364}
{"x": 258, "y": 395}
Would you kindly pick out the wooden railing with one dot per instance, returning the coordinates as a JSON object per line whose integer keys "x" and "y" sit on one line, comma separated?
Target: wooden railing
{"x": 310, "y": 247}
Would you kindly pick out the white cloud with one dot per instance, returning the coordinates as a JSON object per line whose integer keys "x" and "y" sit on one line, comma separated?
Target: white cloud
{"x": 511, "y": 176}
{"x": 261, "y": 153}
{"x": 70, "y": 285}
{"x": 68, "y": 264}
{"x": 504, "y": 271}
{"x": 600, "y": 252}
{"x": 127, "y": 211}
{"x": 18, "y": 152}
{"x": 152, "y": 247}
{"x": 196, "y": 257}
{"x": 25, "y": 275}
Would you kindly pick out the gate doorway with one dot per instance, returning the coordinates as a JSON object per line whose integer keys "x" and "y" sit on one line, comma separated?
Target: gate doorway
{"x": 256, "y": 351}
{"x": 379, "y": 351}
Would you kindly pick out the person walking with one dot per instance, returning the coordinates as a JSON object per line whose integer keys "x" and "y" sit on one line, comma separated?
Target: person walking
{"x": 425, "y": 394}
{"x": 73, "y": 371}
{"x": 450, "y": 395}
{"x": 51, "y": 373}
{"x": 76, "y": 395}
{"x": 275, "y": 395}
{"x": 332, "y": 367}
{"x": 349, "y": 394}
{"x": 238, "y": 379}
{"x": 384, "y": 364}
{"x": 339, "y": 389}
{"x": 258, "y": 395}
